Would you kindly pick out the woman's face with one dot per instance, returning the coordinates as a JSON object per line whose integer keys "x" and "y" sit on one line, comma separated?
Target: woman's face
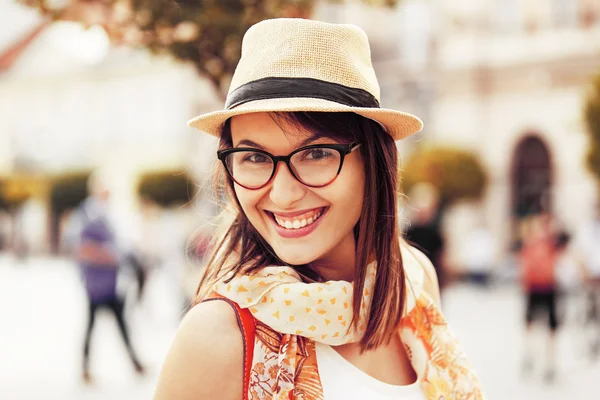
{"x": 301, "y": 224}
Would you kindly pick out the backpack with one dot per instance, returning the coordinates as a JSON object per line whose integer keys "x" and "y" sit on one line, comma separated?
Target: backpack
{"x": 538, "y": 259}
{"x": 100, "y": 280}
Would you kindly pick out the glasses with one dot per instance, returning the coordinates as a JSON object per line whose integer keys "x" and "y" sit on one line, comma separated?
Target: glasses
{"x": 316, "y": 165}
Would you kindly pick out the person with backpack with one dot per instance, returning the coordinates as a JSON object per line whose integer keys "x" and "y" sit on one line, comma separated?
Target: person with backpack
{"x": 538, "y": 258}
{"x": 99, "y": 259}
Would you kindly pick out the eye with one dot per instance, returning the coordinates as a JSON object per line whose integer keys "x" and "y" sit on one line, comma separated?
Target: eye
{"x": 256, "y": 158}
{"x": 317, "y": 154}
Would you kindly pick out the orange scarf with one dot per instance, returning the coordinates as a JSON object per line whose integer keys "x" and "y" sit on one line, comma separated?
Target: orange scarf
{"x": 291, "y": 315}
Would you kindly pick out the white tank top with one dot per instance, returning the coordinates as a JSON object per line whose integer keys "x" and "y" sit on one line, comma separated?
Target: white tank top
{"x": 341, "y": 380}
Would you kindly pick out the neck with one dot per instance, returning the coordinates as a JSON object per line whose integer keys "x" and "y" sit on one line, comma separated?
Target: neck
{"x": 339, "y": 263}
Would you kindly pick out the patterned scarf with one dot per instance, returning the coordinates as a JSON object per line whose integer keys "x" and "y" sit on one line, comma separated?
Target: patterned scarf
{"x": 321, "y": 312}
{"x": 291, "y": 315}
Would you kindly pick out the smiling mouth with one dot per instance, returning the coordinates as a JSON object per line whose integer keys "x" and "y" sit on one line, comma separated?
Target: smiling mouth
{"x": 298, "y": 222}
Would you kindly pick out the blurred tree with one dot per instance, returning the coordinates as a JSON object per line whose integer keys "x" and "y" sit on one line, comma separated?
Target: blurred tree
{"x": 167, "y": 188}
{"x": 12, "y": 195}
{"x": 456, "y": 173}
{"x": 66, "y": 193}
{"x": 17, "y": 189}
{"x": 591, "y": 114}
{"x": 3, "y": 202}
{"x": 14, "y": 192}
{"x": 207, "y": 33}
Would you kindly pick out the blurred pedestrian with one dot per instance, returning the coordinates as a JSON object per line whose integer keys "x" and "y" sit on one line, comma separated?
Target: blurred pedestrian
{"x": 311, "y": 288}
{"x": 538, "y": 257}
{"x": 587, "y": 247}
{"x": 424, "y": 231}
{"x": 144, "y": 255}
{"x": 100, "y": 259}
{"x": 141, "y": 268}
{"x": 479, "y": 254}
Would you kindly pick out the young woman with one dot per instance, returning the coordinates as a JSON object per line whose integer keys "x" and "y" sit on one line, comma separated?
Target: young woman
{"x": 311, "y": 294}
{"x": 539, "y": 257}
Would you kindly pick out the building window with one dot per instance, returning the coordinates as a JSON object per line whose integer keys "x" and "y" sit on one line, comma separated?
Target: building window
{"x": 564, "y": 12}
{"x": 415, "y": 29}
{"x": 507, "y": 15}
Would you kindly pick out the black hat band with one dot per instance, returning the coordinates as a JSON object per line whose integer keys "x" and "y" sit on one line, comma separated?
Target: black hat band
{"x": 280, "y": 88}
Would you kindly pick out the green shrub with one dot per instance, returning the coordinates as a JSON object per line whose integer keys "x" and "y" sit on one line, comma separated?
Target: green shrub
{"x": 591, "y": 114}
{"x": 14, "y": 191}
{"x": 68, "y": 191}
{"x": 457, "y": 174}
{"x": 167, "y": 188}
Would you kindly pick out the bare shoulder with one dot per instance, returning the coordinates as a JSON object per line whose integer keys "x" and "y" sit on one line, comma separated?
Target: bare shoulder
{"x": 430, "y": 285}
{"x": 205, "y": 360}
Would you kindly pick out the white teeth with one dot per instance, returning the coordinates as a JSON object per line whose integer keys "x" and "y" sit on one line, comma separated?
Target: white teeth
{"x": 297, "y": 224}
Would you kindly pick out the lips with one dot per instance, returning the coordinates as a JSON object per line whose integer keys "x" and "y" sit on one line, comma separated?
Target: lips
{"x": 298, "y": 221}
{"x": 297, "y": 224}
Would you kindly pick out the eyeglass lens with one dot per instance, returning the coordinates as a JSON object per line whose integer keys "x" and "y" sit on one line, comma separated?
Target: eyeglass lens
{"x": 313, "y": 167}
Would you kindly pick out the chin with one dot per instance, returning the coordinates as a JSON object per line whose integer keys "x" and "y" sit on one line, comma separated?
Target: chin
{"x": 296, "y": 256}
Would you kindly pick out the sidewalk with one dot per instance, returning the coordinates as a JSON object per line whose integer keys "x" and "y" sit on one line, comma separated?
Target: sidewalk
{"x": 43, "y": 315}
{"x": 490, "y": 325}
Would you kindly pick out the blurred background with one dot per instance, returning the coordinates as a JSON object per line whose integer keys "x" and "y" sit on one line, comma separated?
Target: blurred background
{"x": 509, "y": 91}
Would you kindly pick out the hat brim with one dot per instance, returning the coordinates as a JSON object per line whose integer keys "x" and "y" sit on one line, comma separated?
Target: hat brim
{"x": 398, "y": 124}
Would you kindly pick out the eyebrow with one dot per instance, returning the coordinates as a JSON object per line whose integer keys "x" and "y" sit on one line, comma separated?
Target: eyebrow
{"x": 247, "y": 142}
{"x": 305, "y": 142}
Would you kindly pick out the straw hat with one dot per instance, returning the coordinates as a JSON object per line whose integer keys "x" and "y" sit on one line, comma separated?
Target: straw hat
{"x": 305, "y": 65}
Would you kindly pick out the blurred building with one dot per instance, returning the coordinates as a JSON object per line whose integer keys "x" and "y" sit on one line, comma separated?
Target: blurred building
{"x": 510, "y": 84}
{"x": 70, "y": 101}
{"x": 504, "y": 78}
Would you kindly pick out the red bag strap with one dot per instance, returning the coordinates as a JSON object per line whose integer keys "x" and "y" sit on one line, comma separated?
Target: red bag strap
{"x": 247, "y": 326}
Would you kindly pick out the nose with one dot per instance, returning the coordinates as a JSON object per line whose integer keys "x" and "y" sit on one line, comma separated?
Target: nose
{"x": 285, "y": 190}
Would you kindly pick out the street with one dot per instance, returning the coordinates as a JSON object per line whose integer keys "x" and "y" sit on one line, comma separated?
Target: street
{"x": 43, "y": 314}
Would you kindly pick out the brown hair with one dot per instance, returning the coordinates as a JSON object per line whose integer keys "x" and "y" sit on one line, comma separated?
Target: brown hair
{"x": 241, "y": 249}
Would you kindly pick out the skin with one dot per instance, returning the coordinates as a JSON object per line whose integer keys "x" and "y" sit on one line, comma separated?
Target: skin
{"x": 206, "y": 359}
{"x": 330, "y": 249}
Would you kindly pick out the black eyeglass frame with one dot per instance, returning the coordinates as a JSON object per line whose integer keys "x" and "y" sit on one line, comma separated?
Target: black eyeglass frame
{"x": 343, "y": 149}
